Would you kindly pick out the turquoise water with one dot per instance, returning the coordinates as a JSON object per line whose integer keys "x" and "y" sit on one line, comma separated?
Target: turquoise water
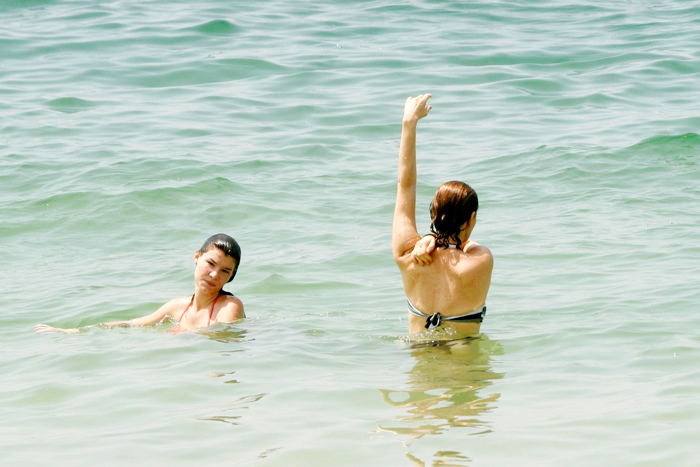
{"x": 130, "y": 131}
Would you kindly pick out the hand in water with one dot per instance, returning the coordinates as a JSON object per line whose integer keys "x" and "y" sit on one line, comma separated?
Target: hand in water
{"x": 45, "y": 328}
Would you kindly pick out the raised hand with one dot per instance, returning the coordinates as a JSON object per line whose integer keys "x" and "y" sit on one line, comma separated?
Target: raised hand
{"x": 416, "y": 107}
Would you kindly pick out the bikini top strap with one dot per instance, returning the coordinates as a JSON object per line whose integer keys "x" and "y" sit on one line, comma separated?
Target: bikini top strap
{"x": 211, "y": 310}
{"x": 186, "y": 308}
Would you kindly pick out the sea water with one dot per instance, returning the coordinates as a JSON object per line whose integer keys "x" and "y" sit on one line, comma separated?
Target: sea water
{"x": 130, "y": 131}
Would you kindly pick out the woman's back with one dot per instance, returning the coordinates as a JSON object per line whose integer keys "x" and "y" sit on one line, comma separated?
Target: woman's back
{"x": 454, "y": 284}
{"x": 450, "y": 287}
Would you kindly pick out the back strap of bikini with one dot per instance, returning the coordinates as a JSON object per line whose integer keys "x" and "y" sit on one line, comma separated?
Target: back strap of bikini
{"x": 436, "y": 319}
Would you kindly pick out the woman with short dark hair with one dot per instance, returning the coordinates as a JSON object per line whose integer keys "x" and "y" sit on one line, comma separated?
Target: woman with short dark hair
{"x": 216, "y": 263}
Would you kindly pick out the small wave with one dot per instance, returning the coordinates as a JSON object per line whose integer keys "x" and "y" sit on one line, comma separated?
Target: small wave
{"x": 280, "y": 284}
{"x": 192, "y": 133}
{"x": 665, "y": 150}
{"x": 688, "y": 143}
{"x": 70, "y": 105}
{"x": 218, "y": 26}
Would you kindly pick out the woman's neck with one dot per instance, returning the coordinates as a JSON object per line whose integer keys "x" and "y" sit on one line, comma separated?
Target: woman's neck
{"x": 203, "y": 299}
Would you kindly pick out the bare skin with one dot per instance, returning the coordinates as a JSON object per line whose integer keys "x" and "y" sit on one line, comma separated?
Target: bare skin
{"x": 449, "y": 281}
{"x": 213, "y": 269}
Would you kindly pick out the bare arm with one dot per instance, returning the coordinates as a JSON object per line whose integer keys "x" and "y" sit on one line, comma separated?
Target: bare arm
{"x": 404, "y": 233}
{"x": 153, "y": 318}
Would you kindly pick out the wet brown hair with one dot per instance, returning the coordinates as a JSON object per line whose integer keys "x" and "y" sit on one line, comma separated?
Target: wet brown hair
{"x": 453, "y": 205}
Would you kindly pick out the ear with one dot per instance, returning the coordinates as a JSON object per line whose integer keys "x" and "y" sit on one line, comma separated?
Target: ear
{"x": 472, "y": 220}
{"x": 197, "y": 255}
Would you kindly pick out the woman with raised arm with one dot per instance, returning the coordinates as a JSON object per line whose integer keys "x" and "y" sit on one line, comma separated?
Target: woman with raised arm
{"x": 446, "y": 276}
{"x": 216, "y": 263}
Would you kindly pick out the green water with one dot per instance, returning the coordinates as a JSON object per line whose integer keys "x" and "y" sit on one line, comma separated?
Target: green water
{"x": 131, "y": 131}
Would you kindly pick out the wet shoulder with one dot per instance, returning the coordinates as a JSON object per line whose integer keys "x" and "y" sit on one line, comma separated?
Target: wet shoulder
{"x": 231, "y": 309}
{"x": 176, "y": 305}
{"x": 474, "y": 258}
{"x": 477, "y": 250}
{"x": 231, "y": 300}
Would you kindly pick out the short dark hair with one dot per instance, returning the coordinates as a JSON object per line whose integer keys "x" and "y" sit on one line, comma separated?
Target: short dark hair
{"x": 453, "y": 205}
{"x": 227, "y": 245}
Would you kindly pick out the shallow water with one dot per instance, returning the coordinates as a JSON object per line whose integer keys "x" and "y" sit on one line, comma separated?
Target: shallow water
{"x": 131, "y": 131}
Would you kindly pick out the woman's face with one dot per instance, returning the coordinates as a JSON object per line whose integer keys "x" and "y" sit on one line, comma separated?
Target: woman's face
{"x": 213, "y": 269}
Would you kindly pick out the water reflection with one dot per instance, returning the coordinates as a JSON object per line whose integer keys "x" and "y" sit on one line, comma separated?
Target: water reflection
{"x": 231, "y": 410}
{"x": 444, "y": 459}
{"x": 226, "y": 335}
{"x": 445, "y": 388}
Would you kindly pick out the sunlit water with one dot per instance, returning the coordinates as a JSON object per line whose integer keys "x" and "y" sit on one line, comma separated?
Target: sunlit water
{"x": 130, "y": 131}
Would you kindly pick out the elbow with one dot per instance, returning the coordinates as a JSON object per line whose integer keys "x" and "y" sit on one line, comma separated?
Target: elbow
{"x": 397, "y": 255}
{"x": 406, "y": 183}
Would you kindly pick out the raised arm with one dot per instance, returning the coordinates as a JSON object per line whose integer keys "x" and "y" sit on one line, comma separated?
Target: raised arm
{"x": 404, "y": 233}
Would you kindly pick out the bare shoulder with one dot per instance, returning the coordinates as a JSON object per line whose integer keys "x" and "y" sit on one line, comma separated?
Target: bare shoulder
{"x": 174, "y": 305}
{"x": 168, "y": 309}
{"x": 231, "y": 310}
{"x": 479, "y": 252}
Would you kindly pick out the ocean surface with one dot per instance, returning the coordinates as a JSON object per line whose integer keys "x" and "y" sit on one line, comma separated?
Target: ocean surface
{"x": 131, "y": 131}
